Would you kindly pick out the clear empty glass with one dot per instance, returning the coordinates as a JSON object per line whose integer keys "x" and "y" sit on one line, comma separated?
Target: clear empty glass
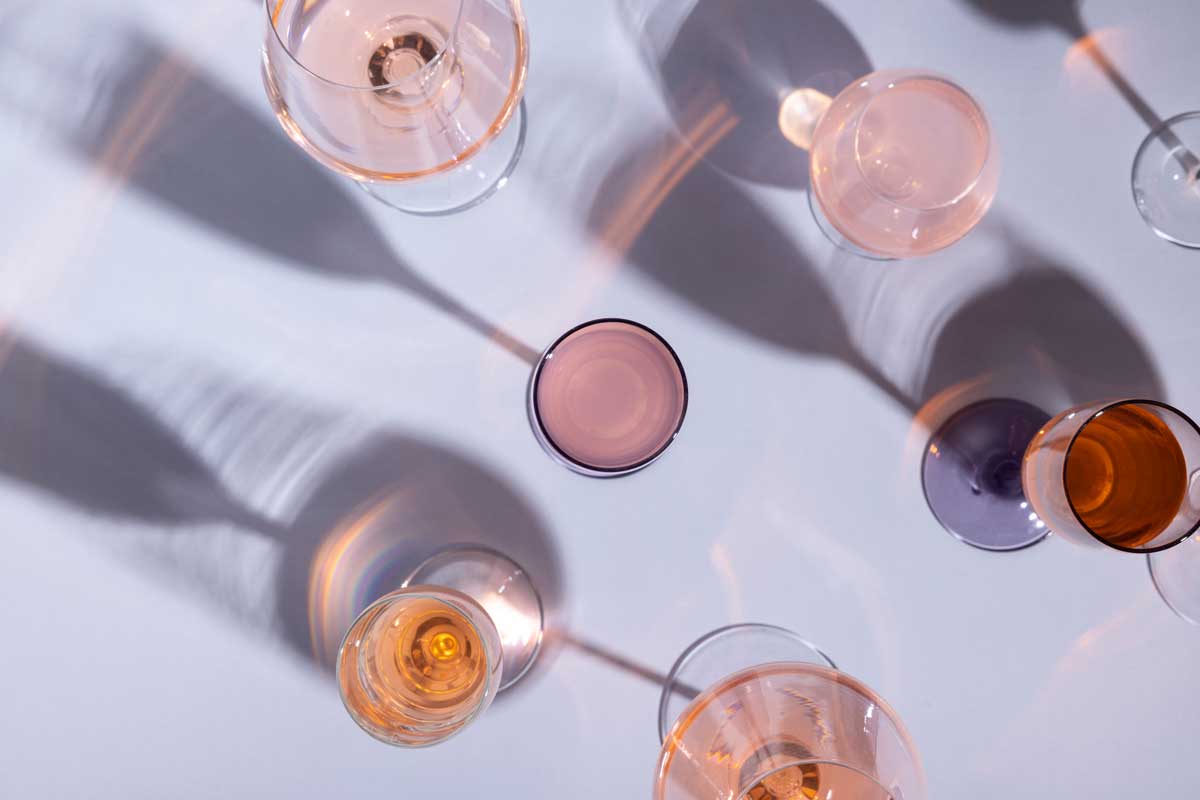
{"x": 1166, "y": 180}
{"x": 902, "y": 164}
{"x": 607, "y": 398}
{"x": 1000, "y": 475}
{"x": 410, "y": 98}
{"x": 1176, "y": 576}
{"x": 778, "y": 722}
{"x": 420, "y": 664}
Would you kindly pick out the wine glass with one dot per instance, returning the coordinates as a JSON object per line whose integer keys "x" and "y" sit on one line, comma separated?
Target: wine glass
{"x": 1001, "y": 475}
{"x": 902, "y": 162}
{"x": 777, "y": 721}
{"x": 412, "y": 99}
{"x": 1176, "y": 576}
{"x": 1166, "y": 180}
{"x": 607, "y": 398}
{"x": 420, "y": 664}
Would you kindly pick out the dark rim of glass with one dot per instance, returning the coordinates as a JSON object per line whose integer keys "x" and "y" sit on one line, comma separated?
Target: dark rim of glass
{"x": 537, "y": 411}
{"x": 1067, "y": 492}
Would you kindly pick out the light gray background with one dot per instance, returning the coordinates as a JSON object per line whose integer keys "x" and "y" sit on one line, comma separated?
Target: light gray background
{"x": 206, "y": 333}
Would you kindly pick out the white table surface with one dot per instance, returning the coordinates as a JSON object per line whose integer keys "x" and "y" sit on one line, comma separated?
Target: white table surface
{"x": 218, "y": 352}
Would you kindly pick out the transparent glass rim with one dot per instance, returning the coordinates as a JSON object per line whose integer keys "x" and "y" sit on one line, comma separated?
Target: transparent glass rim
{"x": 1166, "y": 598}
{"x": 664, "y": 724}
{"x": 1152, "y": 137}
{"x": 447, "y": 597}
{"x": 906, "y": 76}
{"x": 1067, "y": 460}
{"x": 547, "y": 439}
{"x": 273, "y": 7}
{"x": 832, "y": 673}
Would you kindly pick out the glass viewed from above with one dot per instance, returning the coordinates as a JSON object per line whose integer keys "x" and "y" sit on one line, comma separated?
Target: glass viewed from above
{"x": 1000, "y": 475}
{"x": 784, "y": 724}
{"x": 1166, "y": 180}
{"x": 411, "y": 98}
{"x": 608, "y": 398}
{"x": 1176, "y": 573}
{"x": 903, "y": 164}
{"x": 420, "y": 664}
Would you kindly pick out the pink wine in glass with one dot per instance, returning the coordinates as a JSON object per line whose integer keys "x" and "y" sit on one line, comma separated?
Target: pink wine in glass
{"x": 903, "y": 164}
{"x": 608, "y": 398}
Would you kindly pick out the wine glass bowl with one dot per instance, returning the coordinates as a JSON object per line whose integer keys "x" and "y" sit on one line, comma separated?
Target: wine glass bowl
{"x": 421, "y": 663}
{"x": 1166, "y": 180}
{"x": 903, "y": 164}
{"x": 410, "y": 98}
{"x": 788, "y": 730}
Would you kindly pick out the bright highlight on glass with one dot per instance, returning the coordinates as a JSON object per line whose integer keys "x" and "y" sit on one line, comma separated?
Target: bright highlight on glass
{"x": 902, "y": 163}
{"x": 1000, "y": 475}
{"x": 420, "y": 664}
{"x": 608, "y": 398}
{"x": 778, "y": 723}
{"x": 410, "y": 98}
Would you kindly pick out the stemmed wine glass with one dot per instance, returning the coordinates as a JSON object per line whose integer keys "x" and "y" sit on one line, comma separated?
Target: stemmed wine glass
{"x": 902, "y": 162}
{"x": 1001, "y": 475}
{"x": 420, "y": 664}
{"x": 607, "y": 398}
{"x": 777, "y": 721}
{"x": 412, "y": 99}
{"x": 1166, "y": 180}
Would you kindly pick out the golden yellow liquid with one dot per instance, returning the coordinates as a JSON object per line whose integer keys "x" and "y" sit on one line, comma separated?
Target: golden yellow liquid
{"x": 1126, "y": 476}
{"x": 415, "y": 663}
{"x": 799, "y": 782}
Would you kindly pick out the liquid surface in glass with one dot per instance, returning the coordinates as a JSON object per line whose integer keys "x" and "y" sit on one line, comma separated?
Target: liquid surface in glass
{"x": 416, "y": 662}
{"x": 901, "y": 164}
{"x": 1126, "y": 476}
{"x": 610, "y": 395}
{"x": 816, "y": 782}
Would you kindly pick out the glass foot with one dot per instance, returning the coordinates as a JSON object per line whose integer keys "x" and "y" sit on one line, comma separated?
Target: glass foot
{"x": 972, "y": 475}
{"x": 1166, "y": 180}
{"x": 835, "y": 236}
{"x": 462, "y": 188}
{"x": 723, "y": 652}
{"x": 1176, "y": 576}
{"x": 502, "y": 588}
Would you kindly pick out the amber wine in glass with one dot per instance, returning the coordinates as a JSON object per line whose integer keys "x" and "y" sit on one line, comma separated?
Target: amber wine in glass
{"x": 420, "y": 664}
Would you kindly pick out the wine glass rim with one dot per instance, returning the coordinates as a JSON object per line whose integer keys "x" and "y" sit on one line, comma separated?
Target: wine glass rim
{"x": 1153, "y": 136}
{"x": 1067, "y": 460}
{"x": 905, "y": 75}
{"x": 547, "y": 441}
{"x": 430, "y": 66}
{"x": 1158, "y": 587}
{"x": 447, "y": 597}
{"x": 776, "y": 667}
{"x": 665, "y": 725}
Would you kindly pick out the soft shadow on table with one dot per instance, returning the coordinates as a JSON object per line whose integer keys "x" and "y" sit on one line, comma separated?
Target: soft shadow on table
{"x": 746, "y": 58}
{"x": 362, "y": 521}
{"x": 1066, "y": 16}
{"x": 68, "y": 432}
{"x": 153, "y": 120}
{"x": 392, "y": 503}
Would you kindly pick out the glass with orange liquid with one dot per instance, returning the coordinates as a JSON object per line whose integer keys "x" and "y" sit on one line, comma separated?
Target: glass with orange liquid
{"x": 420, "y": 664}
{"x": 1000, "y": 475}
{"x": 777, "y": 722}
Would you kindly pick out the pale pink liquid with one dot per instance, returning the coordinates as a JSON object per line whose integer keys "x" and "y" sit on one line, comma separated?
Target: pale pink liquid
{"x": 610, "y": 396}
{"x": 902, "y": 165}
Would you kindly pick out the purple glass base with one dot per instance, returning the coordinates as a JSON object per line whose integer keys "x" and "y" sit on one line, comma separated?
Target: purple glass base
{"x": 972, "y": 475}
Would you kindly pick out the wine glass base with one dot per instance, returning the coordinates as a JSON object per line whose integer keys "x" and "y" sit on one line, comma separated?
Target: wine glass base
{"x": 971, "y": 474}
{"x": 1176, "y": 576}
{"x": 1166, "y": 180}
{"x": 723, "y": 652}
{"x": 462, "y": 188}
{"x": 503, "y": 589}
{"x": 835, "y": 237}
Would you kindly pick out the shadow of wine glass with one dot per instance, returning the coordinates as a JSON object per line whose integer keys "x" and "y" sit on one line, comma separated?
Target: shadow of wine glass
{"x": 150, "y": 119}
{"x": 746, "y": 58}
{"x": 383, "y": 510}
